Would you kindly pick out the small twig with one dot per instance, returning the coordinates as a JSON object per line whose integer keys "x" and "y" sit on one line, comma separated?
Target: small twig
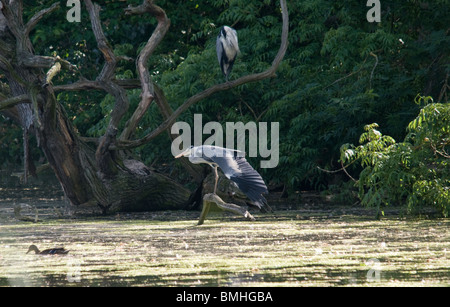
{"x": 347, "y": 76}
{"x": 345, "y": 171}
{"x": 250, "y": 108}
{"x": 355, "y": 72}
{"x": 444, "y": 89}
{"x": 442, "y": 153}
{"x": 373, "y": 69}
{"x": 343, "y": 168}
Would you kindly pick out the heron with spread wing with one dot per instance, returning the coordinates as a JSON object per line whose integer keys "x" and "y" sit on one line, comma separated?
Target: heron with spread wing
{"x": 235, "y": 167}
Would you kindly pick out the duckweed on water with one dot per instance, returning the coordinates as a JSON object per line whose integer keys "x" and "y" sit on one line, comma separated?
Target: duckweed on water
{"x": 286, "y": 250}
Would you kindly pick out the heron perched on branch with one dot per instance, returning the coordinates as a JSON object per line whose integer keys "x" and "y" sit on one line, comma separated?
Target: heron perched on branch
{"x": 227, "y": 49}
{"x": 235, "y": 167}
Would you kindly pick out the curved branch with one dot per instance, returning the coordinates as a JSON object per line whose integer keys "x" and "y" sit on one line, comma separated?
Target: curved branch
{"x": 147, "y": 95}
{"x": 38, "y": 16}
{"x": 107, "y": 72}
{"x": 271, "y": 72}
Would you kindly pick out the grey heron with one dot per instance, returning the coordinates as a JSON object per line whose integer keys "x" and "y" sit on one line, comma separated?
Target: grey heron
{"x": 235, "y": 167}
{"x": 227, "y": 49}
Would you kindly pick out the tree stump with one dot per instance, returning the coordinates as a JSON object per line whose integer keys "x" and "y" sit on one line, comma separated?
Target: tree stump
{"x": 211, "y": 198}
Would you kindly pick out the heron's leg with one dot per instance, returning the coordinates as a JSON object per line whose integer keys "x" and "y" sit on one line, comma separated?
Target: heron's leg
{"x": 217, "y": 179}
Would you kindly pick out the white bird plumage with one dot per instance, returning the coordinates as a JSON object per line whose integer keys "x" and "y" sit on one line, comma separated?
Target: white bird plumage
{"x": 227, "y": 48}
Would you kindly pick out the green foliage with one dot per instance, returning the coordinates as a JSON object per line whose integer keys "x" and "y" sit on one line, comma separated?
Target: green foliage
{"x": 11, "y": 144}
{"x": 415, "y": 172}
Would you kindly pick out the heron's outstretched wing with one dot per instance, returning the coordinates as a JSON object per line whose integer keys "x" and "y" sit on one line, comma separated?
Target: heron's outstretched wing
{"x": 251, "y": 183}
{"x": 248, "y": 180}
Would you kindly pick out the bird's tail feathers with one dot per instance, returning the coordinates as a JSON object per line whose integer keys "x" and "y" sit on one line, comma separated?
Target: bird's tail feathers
{"x": 254, "y": 187}
{"x": 261, "y": 203}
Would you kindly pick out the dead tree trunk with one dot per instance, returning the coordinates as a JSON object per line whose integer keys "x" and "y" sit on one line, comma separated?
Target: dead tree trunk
{"x": 95, "y": 172}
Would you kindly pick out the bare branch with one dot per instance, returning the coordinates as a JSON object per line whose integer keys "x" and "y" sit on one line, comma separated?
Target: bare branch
{"x": 219, "y": 87}
{"x": 373, "y": 69}
{"x": 95, "y": 85}
{"x": 343, "y": 168}
{"x": 105, "y": 81}
{"x": 38, "y": 16}
{"x": 103, "y": 44}
{"x": 120, "y": 108}
{"x": 284, "y": 37}
{"x": 21, "y": 33}
{"x": 356, "y": 72}
{"x": 36, "y": 61}
{"x": 39, "y": 61}
{"x": 13, "y": 101}
{"x": 158, "y": 34}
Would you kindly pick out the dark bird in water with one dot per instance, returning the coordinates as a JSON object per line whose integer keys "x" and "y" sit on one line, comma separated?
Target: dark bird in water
{"x": 227, "y": 49}
{"x": 235, "y": 167}
{"x": 50, "y": 251}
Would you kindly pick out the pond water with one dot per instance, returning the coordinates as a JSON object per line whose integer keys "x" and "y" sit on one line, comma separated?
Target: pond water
{"x": 317, "y": 244}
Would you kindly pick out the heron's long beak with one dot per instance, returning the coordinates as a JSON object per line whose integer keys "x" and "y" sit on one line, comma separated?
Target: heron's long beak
{"x": 185, "y": 153}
